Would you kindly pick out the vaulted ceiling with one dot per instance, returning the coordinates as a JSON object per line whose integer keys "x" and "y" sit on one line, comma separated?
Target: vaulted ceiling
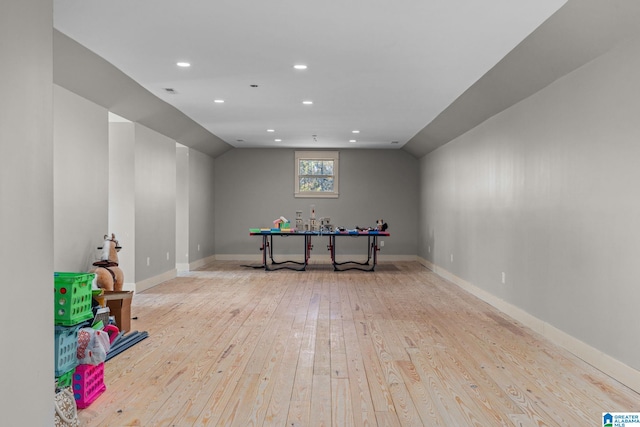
{"x": 379, "y": 74}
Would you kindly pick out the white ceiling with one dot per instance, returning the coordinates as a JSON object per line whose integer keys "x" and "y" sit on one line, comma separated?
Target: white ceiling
{"x": 384, "y": 68}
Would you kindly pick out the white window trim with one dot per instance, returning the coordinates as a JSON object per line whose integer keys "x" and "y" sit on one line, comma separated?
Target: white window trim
{"x": 318, "y": 155}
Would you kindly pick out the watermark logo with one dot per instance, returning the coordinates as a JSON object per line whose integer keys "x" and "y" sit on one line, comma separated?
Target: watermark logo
{"x": 621, "y": 419}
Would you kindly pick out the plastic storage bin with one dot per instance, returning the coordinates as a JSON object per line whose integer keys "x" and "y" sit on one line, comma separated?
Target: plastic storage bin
{"x": 88, "y": 384}
{"x": 65, "y": 379}
{"x": 66, "y": 348}
{"x": 72, "y": 299}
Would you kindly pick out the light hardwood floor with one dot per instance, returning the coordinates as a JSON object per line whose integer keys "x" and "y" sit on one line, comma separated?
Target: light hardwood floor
{"x": 235, "y": 346}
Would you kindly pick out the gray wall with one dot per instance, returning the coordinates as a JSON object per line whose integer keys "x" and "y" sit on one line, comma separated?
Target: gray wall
{"x": 201, "y": 206}
{"x": 122, "y": 177}
{"x": 81, "y": 180}
{"x": 155, "y": 204}
{"x": 26, "y": 212}
{"x": 83, "y": 72}
{"x": 122, "y": 195}
{"x": 580, "y": 31}
{"x": 547, "y": 192}
{"x": 128, "y": 177}
{"x": 182, "y": 208}
{"x": 255, "y": 186}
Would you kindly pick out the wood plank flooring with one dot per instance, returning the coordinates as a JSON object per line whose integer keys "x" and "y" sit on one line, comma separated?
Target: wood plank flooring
{"x": 235, "y": 346}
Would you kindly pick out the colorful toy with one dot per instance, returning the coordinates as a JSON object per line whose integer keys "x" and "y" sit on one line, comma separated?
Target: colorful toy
{"x": 109, "y": 276}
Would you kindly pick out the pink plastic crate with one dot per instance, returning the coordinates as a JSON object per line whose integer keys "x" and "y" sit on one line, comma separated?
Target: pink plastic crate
{"x": 88, "y": 384}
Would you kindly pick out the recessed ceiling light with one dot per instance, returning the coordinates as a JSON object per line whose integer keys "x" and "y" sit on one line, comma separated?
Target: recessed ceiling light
{"x": 219, "y": 101}
{"x": 271, "y": 130}
{"x": 307, "y": 102}
{"x": 355, "y": 131}
{"x": 183, "y": 64}
{"x": 277, "y": 140}
{"x": 352, "y": 140}
{"x": 300, "y": 67}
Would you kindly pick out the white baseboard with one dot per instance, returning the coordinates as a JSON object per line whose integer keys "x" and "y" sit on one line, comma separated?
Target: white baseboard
{"x": 201, "y": 262}
{"x": 182, "y": 267}
{"x": 238, "y": 257}
{"x": 155, "y": 280}
{"x": 396, "y": 258}
{"x": 596, "y": 358}
{"x": 325, "y": 258}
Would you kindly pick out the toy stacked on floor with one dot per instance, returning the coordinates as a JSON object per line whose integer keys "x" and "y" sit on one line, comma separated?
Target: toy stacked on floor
{"x": 88, "y": 383}
{"x": 72, "y": 309}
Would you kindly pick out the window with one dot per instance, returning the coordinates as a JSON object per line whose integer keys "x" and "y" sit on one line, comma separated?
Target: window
{"x": 317, "y": 174}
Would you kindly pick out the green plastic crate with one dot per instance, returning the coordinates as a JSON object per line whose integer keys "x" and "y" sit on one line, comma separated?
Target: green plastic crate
{"x": 65, "y": 379}
{"x": 72, "y": 299}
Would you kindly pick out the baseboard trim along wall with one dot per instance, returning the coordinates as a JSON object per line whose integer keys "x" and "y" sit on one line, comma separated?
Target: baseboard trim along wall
{"x": 596, "y": 358}
{"x": 155, "y": 280}
{"x": 201, "y": 262}
{"x": 325, "y": 258}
